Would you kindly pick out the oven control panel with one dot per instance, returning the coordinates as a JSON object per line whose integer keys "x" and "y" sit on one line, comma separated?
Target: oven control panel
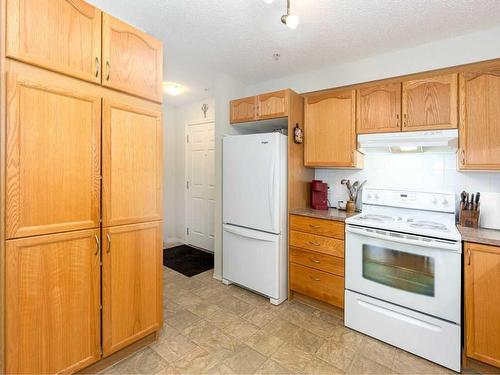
{"x": 422, "y": 200}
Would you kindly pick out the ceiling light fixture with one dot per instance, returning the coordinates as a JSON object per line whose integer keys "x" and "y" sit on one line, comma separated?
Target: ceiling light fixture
{"x": 173, "y": 89}
{"x": 291, "y": 20}
{"x": 269, "y": 1}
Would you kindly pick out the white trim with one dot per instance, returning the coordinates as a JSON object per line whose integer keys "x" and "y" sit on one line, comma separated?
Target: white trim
{"x": 171, "y": 240}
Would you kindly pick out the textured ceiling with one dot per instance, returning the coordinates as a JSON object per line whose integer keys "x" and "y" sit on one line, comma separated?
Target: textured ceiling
{"x": 239, "y": 37}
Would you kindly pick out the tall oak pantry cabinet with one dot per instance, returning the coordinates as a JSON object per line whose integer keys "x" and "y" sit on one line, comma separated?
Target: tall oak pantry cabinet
{"x": 80, "y": 183}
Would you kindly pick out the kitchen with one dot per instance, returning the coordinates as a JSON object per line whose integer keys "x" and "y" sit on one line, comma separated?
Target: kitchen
{"x": 354, "y": 206}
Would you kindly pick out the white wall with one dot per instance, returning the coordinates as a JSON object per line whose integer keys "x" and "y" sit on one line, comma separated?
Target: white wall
{"x": 169, "y": 171}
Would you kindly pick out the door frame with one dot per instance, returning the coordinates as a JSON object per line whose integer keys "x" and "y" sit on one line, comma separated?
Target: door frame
{"x": 186, "y": 193}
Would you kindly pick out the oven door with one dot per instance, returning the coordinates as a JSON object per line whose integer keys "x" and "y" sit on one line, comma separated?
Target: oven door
{"x": 419, "y": 273}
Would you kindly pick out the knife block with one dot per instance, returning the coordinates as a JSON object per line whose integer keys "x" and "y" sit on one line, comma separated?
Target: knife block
{"x": 469, "y": 218}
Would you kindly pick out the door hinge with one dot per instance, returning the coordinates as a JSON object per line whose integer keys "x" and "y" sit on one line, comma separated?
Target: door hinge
{"x": 187, "y": 231}
{"x": 100, "y": 307}
{"x": 187, "y": 138}
{"x": 100, "y": 177}
{"x": 187, "y": 185}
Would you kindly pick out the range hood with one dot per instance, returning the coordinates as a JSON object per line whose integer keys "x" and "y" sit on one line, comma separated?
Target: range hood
{"x": 407, "y": 142}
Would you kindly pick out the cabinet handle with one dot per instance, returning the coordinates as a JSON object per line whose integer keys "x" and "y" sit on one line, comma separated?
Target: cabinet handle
{"x": 109, "y": 243}
{"x": 397, "y": 118}
{"x": 462, "y": 155}
{"x": 108, "y": 67}
{"x": 98, "y": 244}
{"x": 315, "y": 278}
{"x": 315, "y": 226}
{"x": 314, "y": 260}
{"x": 314, "y": 243}
{"x": 468, "y": 257}
{"x": 404, "y": 119}
{"x": 96, "y": 67}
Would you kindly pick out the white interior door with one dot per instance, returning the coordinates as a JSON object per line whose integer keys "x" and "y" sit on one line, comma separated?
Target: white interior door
{"x": 200, "y": 185}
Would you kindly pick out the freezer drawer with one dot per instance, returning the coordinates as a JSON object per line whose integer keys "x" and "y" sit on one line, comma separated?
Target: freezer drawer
{"x": 431, "y": 338}
{"x": 252, "y": 259}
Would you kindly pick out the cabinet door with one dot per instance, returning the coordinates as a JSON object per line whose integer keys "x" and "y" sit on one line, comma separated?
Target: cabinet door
{"x": 133, "y": 60}
{"x": 61, "y": 35}
{"x": 329, "y": 130}
{"x": 132, "y": 164}
{"x": 430, "y": 103}
{"x": 243, "y": 110}
{"x": 480, "y": 120}
{"x": 272, "y": 105}
{"x": 379, "y": 109}
{"x": 482, "y": 307}
{"x": 132, "y": 283}
{"x": 53, "y": 158}
{"x": 52, "y": 303}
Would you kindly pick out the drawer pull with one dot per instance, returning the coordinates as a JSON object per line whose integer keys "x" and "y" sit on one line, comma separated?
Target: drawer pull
{"x": 314, "y": 243}
{"x": 315, "y": 226}
{"x": 314, "y": 260}
{"x": 315, "y": 278}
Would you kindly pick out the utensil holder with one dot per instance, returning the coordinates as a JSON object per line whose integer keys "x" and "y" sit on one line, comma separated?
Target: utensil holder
{"x": 469, "y": 218}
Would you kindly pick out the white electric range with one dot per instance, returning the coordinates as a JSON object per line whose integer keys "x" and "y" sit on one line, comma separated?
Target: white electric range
{"x": 403, "y": 272}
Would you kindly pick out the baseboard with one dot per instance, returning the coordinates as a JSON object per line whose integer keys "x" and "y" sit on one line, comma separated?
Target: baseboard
{"x": 173, "y": 240}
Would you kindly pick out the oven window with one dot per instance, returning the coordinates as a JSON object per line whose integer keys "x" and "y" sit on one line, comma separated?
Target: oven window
{"x": 397, "y": 269}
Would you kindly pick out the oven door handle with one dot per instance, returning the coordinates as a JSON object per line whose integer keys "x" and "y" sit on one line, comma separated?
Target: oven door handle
{"x": 434, "y": 244}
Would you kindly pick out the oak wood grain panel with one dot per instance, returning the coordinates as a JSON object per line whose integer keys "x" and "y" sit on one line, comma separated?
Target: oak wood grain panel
{"x": 243, "y": 110}
{"x": 482, "y": 310}
{"x": 2, "y": 182}
{"x": 53, "y": 158}
{"x": 317, "y": 284}
{"x": 329, "y": 228}
{"x": 132, "y": 283}
{"x": 480, "y": 120}
{"x": 53, "y": 299}
{"x": 60, "y": 35}
{"x": 132, "y": 60}
{"x": 132, "y": 164}
{"x": 312, "y": 259}
{"x": 320, "y": 244}
{"x": 379, "y": 109}
{"x": 330, "y": 130}
{"x": 430, "y": 103}
{"x": 272, "y": 105}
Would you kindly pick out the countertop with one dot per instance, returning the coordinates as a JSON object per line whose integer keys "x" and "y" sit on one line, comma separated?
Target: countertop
{"x": 331, "y": 214}
{"x": 480, "y": 235}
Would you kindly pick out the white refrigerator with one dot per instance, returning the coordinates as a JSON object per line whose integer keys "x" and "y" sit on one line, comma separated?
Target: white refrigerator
{"x": 254, "y": 201}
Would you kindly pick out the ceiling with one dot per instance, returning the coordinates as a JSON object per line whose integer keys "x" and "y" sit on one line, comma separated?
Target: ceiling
{"x": 239, "y": 37}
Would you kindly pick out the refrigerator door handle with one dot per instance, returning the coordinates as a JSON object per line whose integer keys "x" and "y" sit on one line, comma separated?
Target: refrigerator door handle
{"x": 271, "y": 192}
{"x": 255, "y": 235}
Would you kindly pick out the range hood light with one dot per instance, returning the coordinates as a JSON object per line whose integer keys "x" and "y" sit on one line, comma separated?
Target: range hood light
{"x": 405, "y": 149}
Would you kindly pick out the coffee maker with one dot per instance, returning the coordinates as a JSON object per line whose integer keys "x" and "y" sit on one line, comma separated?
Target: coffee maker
{"x": 319, "y": 195}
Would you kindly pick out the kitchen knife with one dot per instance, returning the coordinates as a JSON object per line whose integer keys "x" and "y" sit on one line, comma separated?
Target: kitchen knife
{"x": 472, "y": 202}
{"x": 467, "y": 201}
{"x": 477, "y": 200}
{"x": 462, "y": 199}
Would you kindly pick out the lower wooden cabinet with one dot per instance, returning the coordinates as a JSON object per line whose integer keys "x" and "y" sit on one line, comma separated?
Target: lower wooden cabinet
{"x": 52, "y": 303}
{"x": 132, "y": 283}
{"x": 482, "y": 306}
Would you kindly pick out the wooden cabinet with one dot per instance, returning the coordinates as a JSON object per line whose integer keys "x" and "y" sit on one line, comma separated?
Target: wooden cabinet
{"x": 132, "y": 60}
{"x": 480, "y": 120}
{"x": 60, "y": 35}
{"x": 52, "y": 303}
{"x": 243, "y": 110}
{"x": 132, "y": 283}
{"x": 316, "y": 256}
{"x": 430, "y": 103}
{"x": 272, "y": 105}
{"x": 482, "y": 307}
{"x": 132, "y": 164}
{"x": 53, "y": 158}
{"x": 330, "y": 131}
{"x": 379, "y": 109}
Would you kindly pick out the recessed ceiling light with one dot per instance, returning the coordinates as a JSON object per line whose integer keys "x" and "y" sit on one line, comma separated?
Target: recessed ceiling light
{"x": 173, "y": 89}
{"x": 268, "y": 1}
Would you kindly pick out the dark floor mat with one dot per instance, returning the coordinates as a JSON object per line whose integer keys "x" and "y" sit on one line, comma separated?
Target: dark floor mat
{"x": 187, "y": 260}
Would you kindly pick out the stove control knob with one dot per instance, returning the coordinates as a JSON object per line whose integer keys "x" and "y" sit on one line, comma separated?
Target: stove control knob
{"x": 369, "y": 195}
{"x": 445, "y": 201}
{"x": 434, "y": 200}
{"x": 376, "y": 196}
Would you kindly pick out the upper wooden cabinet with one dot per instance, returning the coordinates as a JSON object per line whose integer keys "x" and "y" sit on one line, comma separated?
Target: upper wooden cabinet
{"x": 272, "y": 105}
{"x": 52, "y": 304}
{"x": 132, "y": 283}
{"x": 379, "y": 109}
{"x": 243, "y": 110}
{"x": 61, "y": 35}
{"x": 482, "y": 310}
{"x": 132, "y": 60}
{"x": 430, "y": 103}
{"x": 480, "y": 120}
{"x": 131, "y": 162}
{"x": 330, "y": 131}
{"x": 53, "y": 158}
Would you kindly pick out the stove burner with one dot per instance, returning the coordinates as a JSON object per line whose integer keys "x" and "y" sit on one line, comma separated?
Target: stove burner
{"x": 379, "y": 218}
{"x": 430, "y": 225}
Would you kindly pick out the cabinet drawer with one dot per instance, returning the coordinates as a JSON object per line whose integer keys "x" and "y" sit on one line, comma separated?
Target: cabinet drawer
{"x": 317, "y": 284}
{"x": 320, "y": 244}
{"x": 318, "y": 261}
{"x": 327, "y": 228}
